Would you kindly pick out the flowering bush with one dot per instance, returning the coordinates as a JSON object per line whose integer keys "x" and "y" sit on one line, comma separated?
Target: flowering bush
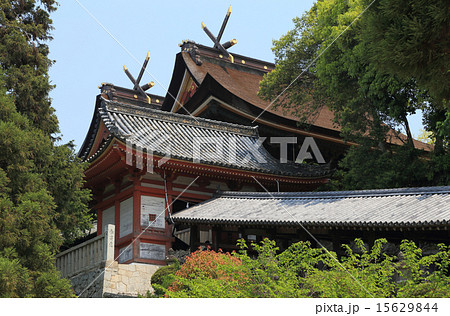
{"x": 209, "y": 274}
{"x": 302, "y": 271}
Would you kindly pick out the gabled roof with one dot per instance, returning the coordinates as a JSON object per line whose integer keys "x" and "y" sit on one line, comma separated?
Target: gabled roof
{"x": 187, "y": 138}
{"x": 241, "y": 80}
{"x": 409, "y": 207}
{"x": 130, "y": 96}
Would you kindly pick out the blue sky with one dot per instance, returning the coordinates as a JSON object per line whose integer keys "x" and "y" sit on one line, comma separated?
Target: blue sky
{"x": 86, "y": 55}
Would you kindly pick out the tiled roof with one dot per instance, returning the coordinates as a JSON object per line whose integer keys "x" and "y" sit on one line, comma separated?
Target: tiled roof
{"x": 242, "y": 80}
{"x": 130, "y": 96}
{"x": 245, "y": 84}
{"x": 410, "y": 207}
{"x": 181, "y": 136}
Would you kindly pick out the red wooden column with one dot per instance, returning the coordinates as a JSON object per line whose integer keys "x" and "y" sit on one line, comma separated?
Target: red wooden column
{"x": 168, "y": 208}
{"x": 136, "y": 213}
{"x": 117, "y": 224}
{"x": 168, "y": 202}
{"x": 169, "y": 178}
{"x": 98, "y": 196}
{"x": 117, "y": 184}
{"x": 99, "y": 222}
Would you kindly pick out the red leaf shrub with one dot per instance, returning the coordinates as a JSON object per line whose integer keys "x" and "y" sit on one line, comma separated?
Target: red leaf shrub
{"x": 208, "y": 264}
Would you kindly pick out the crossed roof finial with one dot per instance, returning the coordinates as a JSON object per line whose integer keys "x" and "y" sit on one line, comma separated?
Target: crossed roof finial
{"x": 136, "y": 82}
{"x": 222, "y": 47}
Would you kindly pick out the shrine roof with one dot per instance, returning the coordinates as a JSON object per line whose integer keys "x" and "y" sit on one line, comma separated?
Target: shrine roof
{"x": 129, "y": 96}
{"x": 406, "y": 207}
{"x": 189, "y": 138}
{"x": 241, "y": 78}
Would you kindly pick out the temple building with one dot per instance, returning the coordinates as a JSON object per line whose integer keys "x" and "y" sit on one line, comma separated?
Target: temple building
{"x": 152, "y": 156}
{"x": 327, "y": 219}
{"x": 146, "y": 164}
{"x": 206, "y": 84}
{"x": 211, "y": 162}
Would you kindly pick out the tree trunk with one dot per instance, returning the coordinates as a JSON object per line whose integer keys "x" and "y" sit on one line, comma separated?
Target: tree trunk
{"x": 408, "y": 132}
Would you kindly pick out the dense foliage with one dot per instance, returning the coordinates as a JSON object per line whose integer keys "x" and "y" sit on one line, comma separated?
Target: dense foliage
{"x": 410, "y": 38}
{"x": 303, "y": 271}
{"x": 220, "y": 273}
{"x": 363, "y": 66}
{"x": 42, "y": 200}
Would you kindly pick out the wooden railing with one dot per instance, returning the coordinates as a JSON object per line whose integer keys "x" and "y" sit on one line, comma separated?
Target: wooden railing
{"x": 184, "y": 235}
{"x": 88, "y": 254}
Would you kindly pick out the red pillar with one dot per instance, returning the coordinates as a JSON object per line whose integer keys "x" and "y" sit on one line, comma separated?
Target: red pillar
{"x": 168, "y": 208}
{"x": 136, "y": 217}
{"x": 117, "y": 184}
{"x": 99, "y": 222}
{"x": 117, "y": 224}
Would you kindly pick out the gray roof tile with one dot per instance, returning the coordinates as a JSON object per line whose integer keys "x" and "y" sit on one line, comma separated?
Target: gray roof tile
{"x": 175, "y": 135}
{"x": 377, "y": 208}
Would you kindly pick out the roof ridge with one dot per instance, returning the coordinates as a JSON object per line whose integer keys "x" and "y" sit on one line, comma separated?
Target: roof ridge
{"x": 338, "y": 194}
{"x": 293, "y": 222}
{"x": 212, "y": 49}
{"x": 108, "y": 84}
{"x": 197, "y": 50}
{"x": 182, "y": 118}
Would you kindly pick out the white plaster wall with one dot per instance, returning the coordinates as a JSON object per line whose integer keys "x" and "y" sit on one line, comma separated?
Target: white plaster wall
{"x": 152, "y": 205}
{"x": 152, "y": 251}
{"x": 108, "y": 216}
{"x": 126, "y": 217}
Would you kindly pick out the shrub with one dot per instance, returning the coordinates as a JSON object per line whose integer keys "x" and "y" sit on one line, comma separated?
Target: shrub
{"x": 209, "y": 274}
{"x": 302, "y": 271}
{"x": 163, "y": 278}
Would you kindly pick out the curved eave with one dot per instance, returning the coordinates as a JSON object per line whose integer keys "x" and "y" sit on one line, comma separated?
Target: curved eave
{"x": 103, "y": 160}
{"x": 269, "y": 118}
{"x": 210, "y": 87}
{"x": 434, "y": 225}
{"x": 175, "y": 82}
{"x": 204, "y": 86}
{"x": 92, "y": 132}
{"x": 100, "y": 162}
{"x": 225, "y": 171}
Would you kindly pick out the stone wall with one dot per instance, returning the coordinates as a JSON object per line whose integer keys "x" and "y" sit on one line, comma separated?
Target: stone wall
{"x": 128, "y": 279}
{"x": 111, "y": 279}
{"x": 89, "y": 283}
{"x": 91, "y": 269}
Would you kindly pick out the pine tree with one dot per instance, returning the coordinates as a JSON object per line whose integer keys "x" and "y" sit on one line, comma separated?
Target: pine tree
{"x": 24, "y": 31}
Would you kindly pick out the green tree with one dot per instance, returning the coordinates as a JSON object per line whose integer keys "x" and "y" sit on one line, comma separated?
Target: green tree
{"x": 368, "y": 102}
{"x": 304, "y": 271}
{"x": 410, "y": 38}
{"x": 24, "y": 32}
{"x": 42, "y": 200}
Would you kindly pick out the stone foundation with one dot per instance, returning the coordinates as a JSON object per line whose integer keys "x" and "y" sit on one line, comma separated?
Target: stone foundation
{"x": 81, "y": 282}
{"x": 114, "y": 280}
{"x": 128, "y": 279}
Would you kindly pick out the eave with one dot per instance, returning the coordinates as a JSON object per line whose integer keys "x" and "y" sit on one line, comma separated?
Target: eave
{"x": 369, "y": 226}
{"x": 111, "y": 160}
